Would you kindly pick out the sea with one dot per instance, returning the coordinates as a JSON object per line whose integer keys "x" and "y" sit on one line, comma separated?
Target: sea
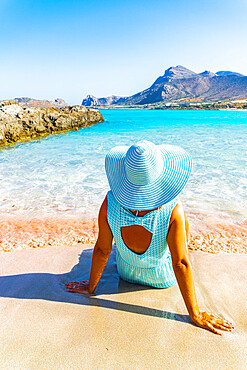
{"x": 63, "y": 176}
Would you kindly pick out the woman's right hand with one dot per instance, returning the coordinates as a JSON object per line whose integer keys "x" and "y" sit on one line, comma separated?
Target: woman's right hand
{"x": 211, "y": 322}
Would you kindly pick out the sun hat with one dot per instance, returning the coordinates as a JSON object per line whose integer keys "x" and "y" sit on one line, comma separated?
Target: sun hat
{"x": 145, "y": 176}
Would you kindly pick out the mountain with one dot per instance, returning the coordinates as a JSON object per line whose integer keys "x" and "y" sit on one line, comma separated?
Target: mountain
{"x": 228, "y": 73}
{"x": 181, "y": 83}
{"x": 207, "y": 74}
{"x": 29, "y": 102}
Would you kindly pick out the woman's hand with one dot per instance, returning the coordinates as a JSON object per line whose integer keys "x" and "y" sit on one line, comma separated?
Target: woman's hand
{"x": 78, "y": 287}
{"x": 211, "y": 322}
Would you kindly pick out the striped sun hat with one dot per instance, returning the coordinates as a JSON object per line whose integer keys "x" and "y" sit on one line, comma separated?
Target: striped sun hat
{"x": 146, "y": 176}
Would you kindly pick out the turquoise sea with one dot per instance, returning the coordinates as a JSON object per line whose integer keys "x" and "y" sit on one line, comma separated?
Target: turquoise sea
{"x": 63, "y": 175}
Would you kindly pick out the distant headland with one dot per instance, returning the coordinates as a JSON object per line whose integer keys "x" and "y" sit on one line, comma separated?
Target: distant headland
{"x": 181, "y": 88}
{"x": 30, "y": 102}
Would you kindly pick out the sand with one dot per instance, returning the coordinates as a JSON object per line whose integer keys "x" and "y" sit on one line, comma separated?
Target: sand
{"x": 207, "y": 234}
{"x": 124, "y": 326}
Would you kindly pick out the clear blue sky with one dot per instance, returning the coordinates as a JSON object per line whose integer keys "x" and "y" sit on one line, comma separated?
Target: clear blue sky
{"x": 69, "y": 49}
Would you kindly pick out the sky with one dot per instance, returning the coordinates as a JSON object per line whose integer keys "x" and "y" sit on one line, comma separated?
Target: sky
{"x": 69, "y": 49}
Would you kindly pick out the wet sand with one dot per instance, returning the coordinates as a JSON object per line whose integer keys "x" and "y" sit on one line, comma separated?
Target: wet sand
{"x": 206, "y": 234}
{"x": 22, "y": 233}
{"x": 214, "y": 235}
{"x": 125, "y": 325}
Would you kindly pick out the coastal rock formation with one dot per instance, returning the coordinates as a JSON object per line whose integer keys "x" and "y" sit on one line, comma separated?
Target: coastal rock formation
{"x": 180, "y": 84}
{"x": 20, "y": 123}
{"x": 92, "y": 101}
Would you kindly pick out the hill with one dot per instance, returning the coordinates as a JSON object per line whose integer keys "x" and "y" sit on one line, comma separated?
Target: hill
{"x": 29, "y": 102}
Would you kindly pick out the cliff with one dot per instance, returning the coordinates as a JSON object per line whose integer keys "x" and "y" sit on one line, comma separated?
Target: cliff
{"x": 92, "y": 101}
{"x": 19, "y": 123}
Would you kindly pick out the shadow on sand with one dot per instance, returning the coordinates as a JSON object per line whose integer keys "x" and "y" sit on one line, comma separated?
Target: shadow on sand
{"x": 51, "y": 287}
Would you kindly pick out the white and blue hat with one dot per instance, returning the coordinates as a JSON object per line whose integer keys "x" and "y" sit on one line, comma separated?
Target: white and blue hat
{"x": 146, "y": 176}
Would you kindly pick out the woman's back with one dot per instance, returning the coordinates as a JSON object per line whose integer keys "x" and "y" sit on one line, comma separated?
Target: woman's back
{"x": 145, "y": 263}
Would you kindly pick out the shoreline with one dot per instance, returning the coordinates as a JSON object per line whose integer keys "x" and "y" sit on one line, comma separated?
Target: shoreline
{"x": 234, "y": 109}
{"x": 206, "y": 235}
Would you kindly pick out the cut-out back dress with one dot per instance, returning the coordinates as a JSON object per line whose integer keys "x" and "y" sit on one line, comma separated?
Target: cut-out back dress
{"x": 154, "y": 267}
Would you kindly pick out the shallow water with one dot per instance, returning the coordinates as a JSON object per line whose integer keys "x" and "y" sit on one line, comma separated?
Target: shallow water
{"x": 51, "y": 189}
{"x": 63, "y": 175}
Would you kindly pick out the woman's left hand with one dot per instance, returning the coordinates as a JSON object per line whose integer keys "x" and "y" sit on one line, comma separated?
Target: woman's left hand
{"x": 78, "y": 287}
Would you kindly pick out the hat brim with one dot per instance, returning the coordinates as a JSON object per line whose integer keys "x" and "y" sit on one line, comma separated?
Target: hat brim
{"x": 172, "y": 180}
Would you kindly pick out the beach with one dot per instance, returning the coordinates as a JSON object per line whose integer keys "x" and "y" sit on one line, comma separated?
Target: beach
{"x": 124, "y": 325}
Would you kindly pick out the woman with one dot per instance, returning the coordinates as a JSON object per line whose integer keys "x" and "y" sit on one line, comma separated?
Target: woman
{"x": 144, "y": 216}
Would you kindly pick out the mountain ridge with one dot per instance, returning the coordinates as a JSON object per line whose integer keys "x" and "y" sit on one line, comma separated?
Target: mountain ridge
{"x": 181, "y": 83}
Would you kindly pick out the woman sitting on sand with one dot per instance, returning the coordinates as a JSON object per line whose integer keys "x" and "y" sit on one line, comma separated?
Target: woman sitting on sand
{"x": 144, "y": 216}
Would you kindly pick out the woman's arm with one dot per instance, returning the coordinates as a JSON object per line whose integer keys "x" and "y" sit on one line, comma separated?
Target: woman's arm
{"x": 176, "y": 239}
{"x": 101, "y": 253}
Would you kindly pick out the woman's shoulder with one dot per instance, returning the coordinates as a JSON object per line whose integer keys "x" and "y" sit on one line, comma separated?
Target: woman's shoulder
{"x": 109, "y": 204}
{"x": 177, "y": 212}
{"x": 103, "y": 208}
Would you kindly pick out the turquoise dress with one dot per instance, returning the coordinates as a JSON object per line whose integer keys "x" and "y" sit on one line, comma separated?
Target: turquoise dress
{"x": 154, "y": 267}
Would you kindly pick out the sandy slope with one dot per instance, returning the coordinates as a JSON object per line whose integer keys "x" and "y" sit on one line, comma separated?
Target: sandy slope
{"x": 124, "y": 325}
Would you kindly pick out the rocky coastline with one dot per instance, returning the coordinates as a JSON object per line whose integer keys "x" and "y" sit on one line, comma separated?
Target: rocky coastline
{"x": 19, "y": 123}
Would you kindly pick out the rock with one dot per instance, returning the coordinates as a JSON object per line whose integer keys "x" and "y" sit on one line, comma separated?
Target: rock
{"x": 92, "y": 101}
{"x": 60, "y": 102}
{"x": 19, "y": 123}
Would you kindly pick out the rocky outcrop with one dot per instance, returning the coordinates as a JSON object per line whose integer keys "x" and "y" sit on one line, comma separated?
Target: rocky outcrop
{"x": 20, "y": 123}
{"x": 181, "y": 83}
{"x": 92, "y": 101}
{"x": 29, "y": 102}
